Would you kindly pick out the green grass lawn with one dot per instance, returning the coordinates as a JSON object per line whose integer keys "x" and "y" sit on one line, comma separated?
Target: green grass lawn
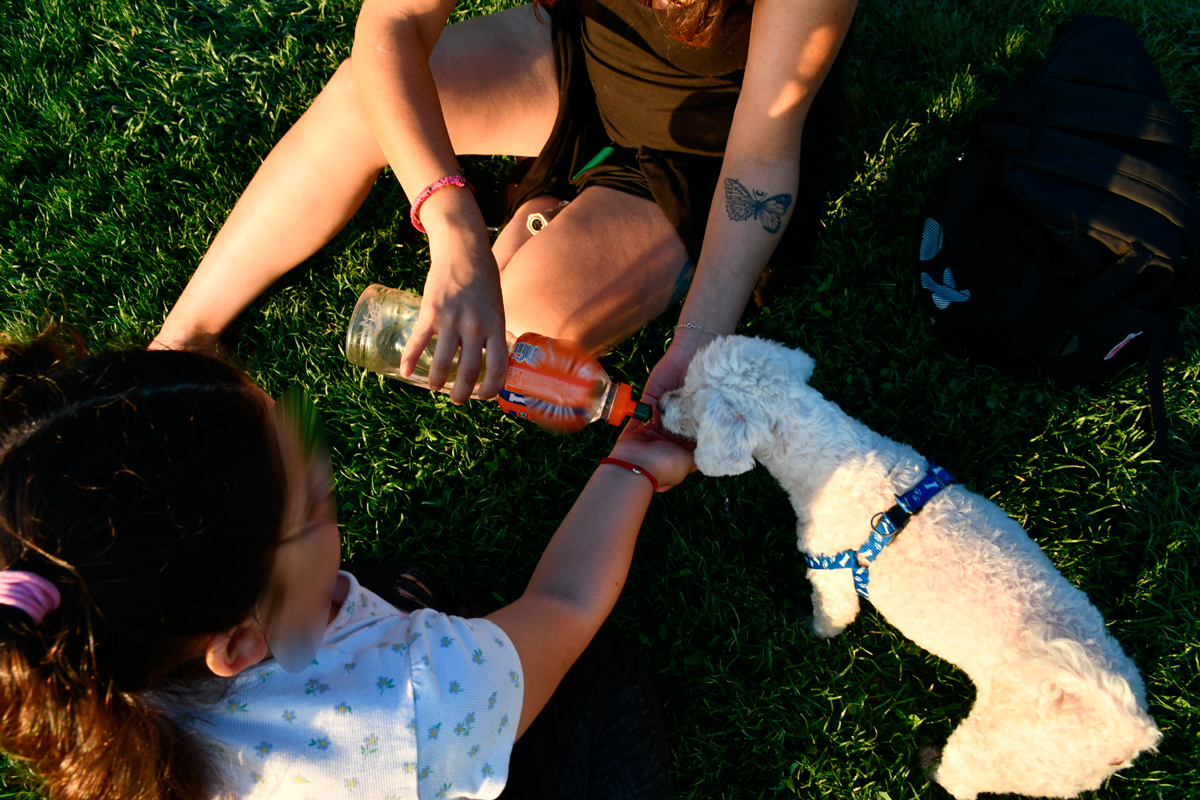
{"x": 127, "y": 130}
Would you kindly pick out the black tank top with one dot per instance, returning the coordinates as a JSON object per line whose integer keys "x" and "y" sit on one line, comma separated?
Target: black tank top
{"x": 655, "y": 91}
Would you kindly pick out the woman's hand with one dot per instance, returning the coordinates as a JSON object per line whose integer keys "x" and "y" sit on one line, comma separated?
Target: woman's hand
{"x": 671, "y": 369}
{"x": 461, "y": 303}
{"x": 668, "y": 461}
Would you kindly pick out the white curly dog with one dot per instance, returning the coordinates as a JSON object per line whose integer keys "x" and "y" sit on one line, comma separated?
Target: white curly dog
{"x": 1059, "y": 707}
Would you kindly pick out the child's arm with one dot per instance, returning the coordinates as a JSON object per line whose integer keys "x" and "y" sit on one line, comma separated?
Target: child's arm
{"x": 582, "y": 572}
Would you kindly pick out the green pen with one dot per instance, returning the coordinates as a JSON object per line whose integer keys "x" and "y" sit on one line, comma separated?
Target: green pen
{"x": 596, "y": 161}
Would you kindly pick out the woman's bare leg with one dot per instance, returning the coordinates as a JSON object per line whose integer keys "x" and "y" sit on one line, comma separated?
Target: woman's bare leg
{"x": 496, "y": 82}
{"x": 604, "y": 267}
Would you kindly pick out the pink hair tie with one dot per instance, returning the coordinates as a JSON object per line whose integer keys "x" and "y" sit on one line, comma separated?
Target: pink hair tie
{"x": 29, "y": 592}
{"x": 441, "y": 183}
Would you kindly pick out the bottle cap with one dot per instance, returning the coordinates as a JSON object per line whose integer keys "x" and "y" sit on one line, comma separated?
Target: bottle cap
{"x": 624, "y": 407}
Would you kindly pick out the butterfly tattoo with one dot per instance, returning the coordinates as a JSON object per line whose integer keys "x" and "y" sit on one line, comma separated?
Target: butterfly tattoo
{"x": 741, "y": 204}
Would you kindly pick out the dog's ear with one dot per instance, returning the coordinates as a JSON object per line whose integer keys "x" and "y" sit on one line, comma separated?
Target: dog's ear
{"x": 800, "y": 364}
{"x": 725, "y": 436}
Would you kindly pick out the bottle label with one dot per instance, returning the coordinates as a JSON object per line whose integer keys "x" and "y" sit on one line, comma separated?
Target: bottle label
{"x": 553, "y": 382}
{"x": 526, "y": 353}
{"x": 512, "y": 404}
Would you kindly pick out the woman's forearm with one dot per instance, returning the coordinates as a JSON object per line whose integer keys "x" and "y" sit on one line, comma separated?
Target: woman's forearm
{"x": 392, "y": 47}
{"x": 752, "y": 205}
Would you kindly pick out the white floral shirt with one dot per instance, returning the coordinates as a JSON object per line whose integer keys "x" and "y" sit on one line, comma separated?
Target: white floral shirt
{"x": 394, "y": 706}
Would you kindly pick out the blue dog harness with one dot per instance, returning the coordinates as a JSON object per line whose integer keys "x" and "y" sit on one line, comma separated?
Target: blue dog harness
{"x": 884, "y": 529}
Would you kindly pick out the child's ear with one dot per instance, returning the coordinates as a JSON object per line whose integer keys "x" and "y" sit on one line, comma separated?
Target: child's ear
{"x": 232, "y": 652}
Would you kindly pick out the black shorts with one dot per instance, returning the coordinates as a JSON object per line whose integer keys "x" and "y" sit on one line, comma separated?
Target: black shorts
{"x": 681, "y": 184}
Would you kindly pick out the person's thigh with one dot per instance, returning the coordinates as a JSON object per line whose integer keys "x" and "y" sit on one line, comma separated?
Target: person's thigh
{"x": 497, "y": 82}
{"x": 605, "y": 266}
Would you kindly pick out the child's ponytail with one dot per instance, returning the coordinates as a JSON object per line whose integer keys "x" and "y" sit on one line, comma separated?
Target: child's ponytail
{"x": 86, "y": 740}
{"x": 146, "y": 488}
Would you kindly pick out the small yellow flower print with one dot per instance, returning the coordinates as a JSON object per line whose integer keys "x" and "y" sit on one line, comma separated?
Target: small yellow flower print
{"x": 234, "y": 705}
{"x": 423, "y": 774}
{"x": 488, "y": 771}
{"x": 477, "y": 657}
{"x": 435, "y": 730}
{"x": 473, "y": 751}
{"x": 257, "y": 778}
{"x": 428, "y": 624}
{"x": 370, "y": 745}
{"x": 265, "y": 674}
{"x": 516, "y": 681}
{"x": 497, "y": 641}
{"x": 503, "y": 724}
{"x": 351, "y": 783}
{"x": 399, "y": 648}
{"x": 447, "y": 641}
{"x": 350, "y": 667}
{"x": 410, "y": 766}
{"x": 455, "y": 688}
{"x": 320, "y": 744}
{"x": 445, "y": 791}
{"x": 412, "y": 637}
{"x": 492, "y": 701}
{"x": 300, "y": 779}
{"x": 342, "y": 708}
{"x": 264, "y": 749}
{"x": 289, "y": 716}
{"x": 384, "y": 684}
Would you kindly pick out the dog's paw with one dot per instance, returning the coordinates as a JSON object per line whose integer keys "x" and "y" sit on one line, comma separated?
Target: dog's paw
{"x": 823, "y": 629}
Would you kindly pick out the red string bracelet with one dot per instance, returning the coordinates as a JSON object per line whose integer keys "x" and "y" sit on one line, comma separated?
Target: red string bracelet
{"x": 414, "y": 216}
{"x": 634, "y": 468}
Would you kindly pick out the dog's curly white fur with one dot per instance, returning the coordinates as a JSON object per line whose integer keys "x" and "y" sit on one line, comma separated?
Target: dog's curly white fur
{"x": 1059, "y": 706}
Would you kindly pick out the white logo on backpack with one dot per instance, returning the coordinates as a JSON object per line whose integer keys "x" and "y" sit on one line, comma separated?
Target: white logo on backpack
{"x": 944, "y": 295}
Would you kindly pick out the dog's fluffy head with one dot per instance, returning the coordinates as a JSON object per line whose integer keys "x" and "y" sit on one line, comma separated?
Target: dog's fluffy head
{"x": 735, "y": 388}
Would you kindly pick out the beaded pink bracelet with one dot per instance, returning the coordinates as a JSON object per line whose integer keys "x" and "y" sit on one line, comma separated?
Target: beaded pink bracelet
{"x": 440, "y": 183}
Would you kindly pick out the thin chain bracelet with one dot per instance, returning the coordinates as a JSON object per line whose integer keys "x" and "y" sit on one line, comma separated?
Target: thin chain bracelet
{"x": 694, "y": 327}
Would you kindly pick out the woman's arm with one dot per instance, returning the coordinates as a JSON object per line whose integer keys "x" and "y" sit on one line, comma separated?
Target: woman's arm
{"x": 793, "y": 44}
{"x": 461, "y": 302}
{"x": 582, "y": 571}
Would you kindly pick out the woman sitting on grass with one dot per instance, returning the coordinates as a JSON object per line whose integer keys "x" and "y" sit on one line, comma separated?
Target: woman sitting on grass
{"x": 170, "y": 565}
{"x": 673, "y": 127}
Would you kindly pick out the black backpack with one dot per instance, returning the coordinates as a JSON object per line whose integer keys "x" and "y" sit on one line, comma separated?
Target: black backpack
{"x": 1065, "y": 237}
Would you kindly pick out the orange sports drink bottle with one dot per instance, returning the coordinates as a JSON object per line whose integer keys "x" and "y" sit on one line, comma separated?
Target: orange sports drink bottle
{"x": 556, "y": 383}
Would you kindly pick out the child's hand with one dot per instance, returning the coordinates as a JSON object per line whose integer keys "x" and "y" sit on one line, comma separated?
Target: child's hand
{"x": 666, "y": 460}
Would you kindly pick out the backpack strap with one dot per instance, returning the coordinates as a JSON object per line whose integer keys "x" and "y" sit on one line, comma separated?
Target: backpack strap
{"x": 1096, "y": 109}
{"x": 1053, "y": 320}
{"x": 1112, "y": 171}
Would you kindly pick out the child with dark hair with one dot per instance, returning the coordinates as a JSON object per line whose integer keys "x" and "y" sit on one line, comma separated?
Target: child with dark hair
{"x": 173, "y": 622}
